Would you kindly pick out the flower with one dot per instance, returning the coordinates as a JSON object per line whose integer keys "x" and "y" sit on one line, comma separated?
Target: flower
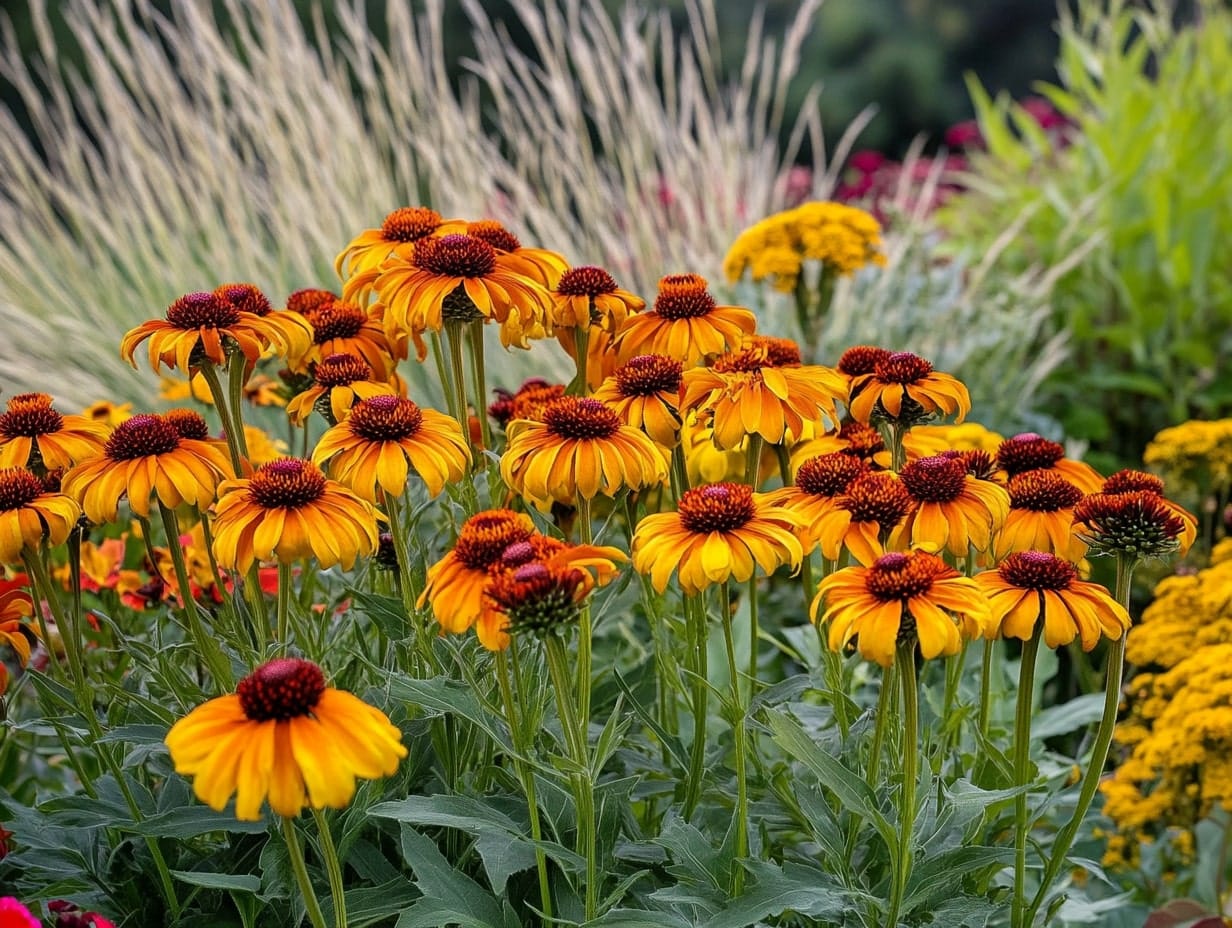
{"x": 108, "y": 413}
{"x": 1032, "y": 585}
{"x": 383, "y": 434}
{"x": 342, "y": 327}
{"x": 309, "y": 299}
{"x": 865, "y": 518}
{"x": 1041, "y": 516}
{"x": 456, "y": 277}
{"x": 288, "y": 510}
{"x": 528, "y": 402}
{"x": 861, "y": 359}
{"x": 719, "y": 531}
{"x": 953, "y": 510}
{"x": 339, "y": 380}
{"x": 360, "y": 260}
{"x": 1195, "y": 457}
{"x": 455, "y": 583}
{"x": 15, "y": 915}
{"x": 15, "y": 607}
{"x": 858, "y": 439}
{"x": 69, "y": 915}
{"x": 33, "y": 434}
{"x": 588, "y": 296}
{"x": 294, "y": 328}
{"x": 645, "y": 393}
{"x": 927, "y": 440}
{"x": 1135, "y": 481}
{"x": 200, "y": 326}
{"x": 1029, "y": 451}
{"x": 903, "y": 387}
{"x": 762, "y": 389}
{"x": 539, "y": 264}
{"x": 820, "y": 482}
{"x": 1138, "y": 524}
{"x": 686, "y": 323}
{"x": 581, "y": 448}
{"x": 146, "y": 456}
{"x": 284, "y": 735}
{"x": 900, "y": 596}
{"x": 30, "y": 515}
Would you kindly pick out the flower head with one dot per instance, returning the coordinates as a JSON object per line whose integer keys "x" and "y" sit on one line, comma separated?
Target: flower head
{"x": 16, "y": 610}
{"x": 1033, "y": 586}
{"x": 1138, "y": 524}
{"x": 30, "y": 515}
{"x": 1028, "y": 451}
{"x": 645, "y": 393}
{"x": 1041, "y": 516}
{"x": 286, "y": 736}
{"x": 399, "y": 231}
{"x": 953, "y": 510}
{"x": 528, "y": 402}
{"x": 338, "y": 382}
{"x": 15, "y": 915}
{"x": 865, "y": 517}
{"x": 288, "y": 510}
{"x": 900, "y": 596}
{"x": 686, "y": 323}
{"x": 589, "y": 296}
{"x": 1136, "y": 481}
{"x": 904, "y": 388}
{"x": 33, "y": 434}
{"x": 386, "y": 436}
{"x": 820, "y": 482}
{"x": 539, "y": 264}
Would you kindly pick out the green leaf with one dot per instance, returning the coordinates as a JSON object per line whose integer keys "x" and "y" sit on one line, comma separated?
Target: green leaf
{"x": 639, "y": 918}
{"x": 793, "y": 888}
{"x": 1070, "y": 716}
{"x": 386, "y": 611}
{"x": 370, "y": 904}
{"x": 441, "y": 696}
{"x": 191, "y": 821}
{"x": 934, "y": 879}
{"x": 237, "y": 882}
{"x": 450, "y": 896}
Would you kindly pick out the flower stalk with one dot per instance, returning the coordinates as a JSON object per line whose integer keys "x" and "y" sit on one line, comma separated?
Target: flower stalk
{"x": 1022, "y": 766}
{"x": 905, "y": 662}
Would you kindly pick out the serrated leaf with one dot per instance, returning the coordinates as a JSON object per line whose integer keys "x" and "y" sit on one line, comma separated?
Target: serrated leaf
{"x": 639, "y": 918}
{"x": 443, "y": 696}
{"x": 450, "y": 896}
{"x": 934, "y": 878}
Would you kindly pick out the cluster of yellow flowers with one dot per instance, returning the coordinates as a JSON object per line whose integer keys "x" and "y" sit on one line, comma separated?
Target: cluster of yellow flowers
{"x": 842, "y": 238}
{"x": 1194, "y": 457}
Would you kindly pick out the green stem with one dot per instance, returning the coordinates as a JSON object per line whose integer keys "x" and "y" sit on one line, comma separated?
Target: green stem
{"x": 31, "y": 562}
{"x": 1022, "y": 764}
{"x": 832, "y": 659}
{"x": 679, "y": 473}
{"x": 581, "y": 340}
{"x": 752, "y": 461}
{"x": 206, "y": 643}
{"x": 754, "y": 637}
{"x": 481, "y": 389}
{"x": 241, "y": 637}
{"x": 333, "y": 868}
{"x": 884, "y": 703}
{"x": 300, "y": 869}
{"x": 740, "y": 748}
{"x": 284, "y": 606}
{"x": 1099, "y": 753}
{"x": 911, "y": 761}
{"x": 223, "y": 407}
{"x": 986, "y": 686}
{"x": 696, "y": 635}
{"x": 585, "y": 622}
{"x": 237, "y": 374}
{"x": 256, "y": 603}
{"x": 454, "y": 334}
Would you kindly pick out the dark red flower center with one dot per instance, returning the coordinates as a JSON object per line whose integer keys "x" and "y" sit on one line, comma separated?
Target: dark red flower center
{"x": 902, "y": 367}
{"x": 187, "y": 423}
{"x": 517, "y": 554}
{"x": 683, "y": 296}
{"x": 936, "y": 479}
{"x": 1028, "y": 451}
{"x": 201, "y": 310}
{"x": 828, "y": 475}
{"x": 861, "y": 359}
{"x": 456, "y": 256}
{"x": 580, "y": 418}
{"x": 340, "y": 370}
{"x": 337, "y": 320}
{"x": 649, "y": 374}
{"x": 778, "y": 352}
{"x": 410, "y": 223}
{"x": 1042, "y": 491}
{"x": 717, "y": 507}
{"x": 244, "y": 297}
{"x": 1138, "y": 514}
{"x": 587, "y": 280}
{"x": 1133, "y": 481}
{"x": 486, "y": 536}
{"x": 863, "y": 440}
{"x": 309, "y": 300}
{"x": 902, "y": 576}
{"x": 30, "y": 415}
{"x": 141, "y": 436}
{"x": 18, "y": 488}
{"x": 533, "y": 398}
{"x": 283, "y": 689}
{"x": 877, "y": 497}
{"x": 979, "y": 464}
{"x": 494, "y": 233}
{"x": 385, "y": 418}
{"x": 1036, "y": 570}
{"x": 286, "y": 483}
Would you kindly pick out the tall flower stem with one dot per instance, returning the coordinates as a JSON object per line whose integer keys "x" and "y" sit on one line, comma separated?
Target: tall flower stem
{"x": 1022, "y": 765}
{"x": 256, "y": 604}
{"x": 574, "y": 730}
{"x": 300, "y": 869}
{"x": 241, "y": 635}
{"x": 696, "y": 635}
{"x": 526, "y": 777}
{"x": 752, "y": 460}
{"x": 986, "y": 685}
{"x": 911, "y": 773}
{"x": 237, "y": 375}
{"x": 222, "y": 403}
{"x": 581, "y": 339}
{"x": 30, "y": 560}
{"x": 885, "y": 704}
{"x": 478, "y": 371}
{"x": 739, "y": 745}
{"x": 455, "y": 334}
{"x": 1099, "y": 753}
{"x": 832, "y": 659}
{"x": 585, "y": 625}
{"x": 678, "y": 472}
{"x": 206, "y": 643}
{"x": 333, "y": 869}
{"x": 284, "y": 606}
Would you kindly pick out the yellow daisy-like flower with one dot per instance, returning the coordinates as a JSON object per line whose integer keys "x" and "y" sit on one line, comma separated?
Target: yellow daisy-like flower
{"x": 686, "y": 324}
{"x": 30, "y": 515}
{"x": 362, "y": 258}
{"x": 762, "y": 389}
{"x": 1028, "y": 451}
{"x": 866, "y": 519}
{"x": 108, "y": 413}
{"x": 1041, "y": 517}
{"x": 203, "y": 326}
{"x": 339, "y": 381}
{"x": 32, "y": 433}
{"x": 383, "y": 437}
{"x": 720, "y": 531}
{"x": 905, "y": 387}
{"x": 261, "y": 447}
{"x": 294, "y": 330}
{"x": 539, "y": 264}
{"x": 287, "y": 510}
{"x": 588, "y": 296}
{"x": 347, "y": 328}
{"x": 580, "y": 449}
{"x": 645, "y": 393}
{"x": 924, "y": 441}
{"x": 901, "y": 593}
{"x": 820, "y": 482}
{"x": 16, "y": 609}
{"x": 1033, "y": 586}
{"x": 147, "y": 456}
{"x": 286, "y": 736}
{"x": 858, "y": 439}
{"x": 954, "y": 511}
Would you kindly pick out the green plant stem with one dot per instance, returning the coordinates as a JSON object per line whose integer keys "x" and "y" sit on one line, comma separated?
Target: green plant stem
{"x": 752, "y": 461}
{"x": 28, "y": 559}
{"x": 283, "y": 611}
{"x": 242, "y": 637}
{"x": 454, "y": 335}
{"x": 582, "y": 781}
{"x": 884, "y": 705}
{"x": 832, "y": 659}
{"x": 223, "y": 406}
{"x": 237, "y": 375}
{"x": 479, "y": 374}
{"x": 207, "y": 644}
{"x": 300, "y": 869}
{"x": 585, "y": 625}
{"x": 739, "y": 745}
{"x": 256, "y": 603}
{"x": 526, "y": 777}
{"x": 696, "y": 635}
{"x": 679, "y": 473}
{"x": 986, "y": 686}
{"x": 1022, "y": 765}
{"x": 911, "y": 761}
{"x": 1099, "y": 753}
{"x": 333, "y": 869}
{"x": 581, "y": 342}
{"x": 754, "y": 637}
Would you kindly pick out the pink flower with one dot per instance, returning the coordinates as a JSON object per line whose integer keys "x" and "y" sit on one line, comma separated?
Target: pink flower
{"x": 15, "y": 915}
{"x": 68, "y": 915}
{"x": 964, "y": 135}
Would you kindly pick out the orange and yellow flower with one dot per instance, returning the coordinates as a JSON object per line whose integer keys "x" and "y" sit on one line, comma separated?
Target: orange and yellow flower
{"x": 30, "y": 515}
{"x": 539, "y": 264}
{"x": 1029, "y": 451}
{"x": 718, "y": 532}
{"x": 904, "y": 387}
{"x": 588, "y": 296}
{"x": 1140, "y": 525}
{"x": 147, "y": 456}
{"x": 866, "y": 519}
{"x": 820, "y": 482}
{"x": 913, "y": 594}
{"x": 294, "y": 330}
{"x": 686, "y": 324}
{"x": 855, "y": 438}
{"x": 954, "y": 511}
{"x": 1041, "y": 517}
{"x": 347, "y": 328}
{"x": 383, "y": 438}
{"x": 359, "y": 263}
{"x": 339, "y": 381}
{"x": 33, "y": 434}
{"x": 1033, "y": 586}
{"x": 1137, "y": 481}
{"x": 645, "y": 393}
{"x": 287, "y": 510}
{"x": 286, "y": 736}
{"x": 16, "y": 609}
